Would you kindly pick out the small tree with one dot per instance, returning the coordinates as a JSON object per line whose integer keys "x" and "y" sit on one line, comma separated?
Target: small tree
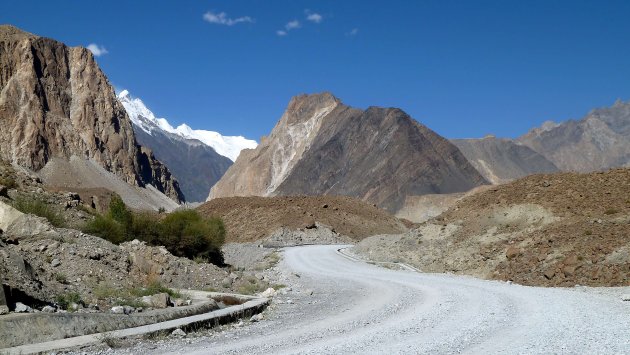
{"x": 186, "y": 233}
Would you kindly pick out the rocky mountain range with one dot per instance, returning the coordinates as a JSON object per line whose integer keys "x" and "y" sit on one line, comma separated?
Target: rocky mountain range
{"x": 56, "y": 105}
{"x": 599, "y": 141}
{"x": 197, "y": 158}
{"x": 501, "y": 160}
{"x": 322, "y": 147}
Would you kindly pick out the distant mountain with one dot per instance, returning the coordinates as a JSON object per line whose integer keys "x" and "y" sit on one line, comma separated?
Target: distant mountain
{"x": 59, "y": 114}
{"x": 195, "y": 163}
{"x": 599, "y": 141}
{"x": 322, "y": 147}
{"x": 502, "y": 160}
{"x": 143, "y": 118}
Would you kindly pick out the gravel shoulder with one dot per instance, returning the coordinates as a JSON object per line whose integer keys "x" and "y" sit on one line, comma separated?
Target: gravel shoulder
{"x": 336, "y": 305}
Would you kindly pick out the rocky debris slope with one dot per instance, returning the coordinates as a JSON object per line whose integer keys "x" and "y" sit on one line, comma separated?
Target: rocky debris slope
{"x": 250, "y": 219}
{"x": 55, "y": 102}
{"x": 558, "y": 229}
{"x": 599, "y": 141}
{"x": 322, "y": 147}
{"x": 196, "y": 165}
{"x": 502, "y": 160}
{"x": 41, "y": 264}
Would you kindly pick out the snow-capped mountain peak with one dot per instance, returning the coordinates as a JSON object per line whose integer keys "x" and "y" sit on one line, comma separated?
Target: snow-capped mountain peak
{"x": 141, "y": 116}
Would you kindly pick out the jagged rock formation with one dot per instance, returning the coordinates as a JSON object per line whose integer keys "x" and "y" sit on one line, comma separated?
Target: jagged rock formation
{"x": 55, "y": 102}
{"x": 322, "y": 147}
{"x": 196, "y": 165}
{"x": 502, "y": 160}
{"x": 599, "y": 141}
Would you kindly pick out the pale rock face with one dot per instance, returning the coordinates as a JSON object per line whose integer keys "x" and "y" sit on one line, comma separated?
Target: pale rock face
{"x": 259, "y": 172}
{"x": 141, "y": 116}
{"x": 56, "y": 102}
{"x": 322, "y": 147}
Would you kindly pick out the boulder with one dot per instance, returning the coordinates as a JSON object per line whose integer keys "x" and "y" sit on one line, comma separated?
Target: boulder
{"x": 49, "y": 309}
{"x": 268, "y": 293}
{"x": 118, "y": 310}
{"x": 22, "y": 308}
{"x": 512, "y": 252}
{"x": 160, "y": 300}
{"x": 4, "y": 310}
{"x": 625, "y": 297}
{"x": 178, "y": 333}
{"x": 256, "y": 318}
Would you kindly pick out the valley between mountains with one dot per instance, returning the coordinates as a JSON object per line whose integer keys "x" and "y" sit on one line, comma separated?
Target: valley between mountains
{"x": 361, "y": 229}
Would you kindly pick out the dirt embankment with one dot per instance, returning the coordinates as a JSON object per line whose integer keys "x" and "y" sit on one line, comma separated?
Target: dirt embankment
{"x": 554, "y": 230}
{"x": 250, "y": 219}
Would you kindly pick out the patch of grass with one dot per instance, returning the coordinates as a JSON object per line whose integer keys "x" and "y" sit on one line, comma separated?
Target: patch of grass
{"x": 278, "y": 286}
{"x": 9, "y": 182}
{"x": 252, "y": 286}
{"x": 61, "y": 278}
{"x": 611, "y": 211}
{"x": 155, "y": 288}
{"x": 588, "y": 232}
{"x": 128, "y": 296}
{"x": 66, "y": 299}
{"x": 112, "y": 342}
{"x": 159, "y": 335}
{"x": 39, "y": 208}
{"x": 210, "y": 289}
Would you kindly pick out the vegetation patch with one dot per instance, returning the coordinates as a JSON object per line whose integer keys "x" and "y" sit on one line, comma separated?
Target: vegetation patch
{"x": 39, "y": 208}
{"x": 184, "y": 233}
{"x": 67, "y": 299}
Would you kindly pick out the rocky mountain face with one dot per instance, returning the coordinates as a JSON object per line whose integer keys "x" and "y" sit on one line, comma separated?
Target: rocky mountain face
{"x": 502, "y": 160}
{"x": 599, "y": 141}
{"x": 196, "y": 165}
{"x": 55, "y": 102}
{"x": 323, "y": 147}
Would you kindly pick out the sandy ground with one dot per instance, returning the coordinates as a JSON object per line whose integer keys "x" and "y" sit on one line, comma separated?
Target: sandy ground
{"x": 336, "y": 305}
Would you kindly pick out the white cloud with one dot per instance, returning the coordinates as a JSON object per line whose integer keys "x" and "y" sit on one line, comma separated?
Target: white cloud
{"x": 353, "y": 32}
{"x": 221, "y": 18}
{"x": 281, "y": 33}
{"x": 314, "y": 16}
{"x": 291, "y": 25}
{"x": 97, "y": 50}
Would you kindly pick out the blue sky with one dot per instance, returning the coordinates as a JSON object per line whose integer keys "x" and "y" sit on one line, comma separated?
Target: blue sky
{"x": 463, "y": 68}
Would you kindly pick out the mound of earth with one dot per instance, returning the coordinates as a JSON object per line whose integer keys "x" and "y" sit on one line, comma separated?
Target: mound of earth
{"x": 554, "y": 230}
{"x": 250, "y": 219}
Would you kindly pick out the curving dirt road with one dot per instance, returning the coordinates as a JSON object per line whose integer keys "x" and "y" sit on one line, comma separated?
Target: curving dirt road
{"x": 360, "y": 308}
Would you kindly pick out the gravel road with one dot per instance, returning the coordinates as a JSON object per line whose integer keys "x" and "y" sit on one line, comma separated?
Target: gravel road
{"x": 360, "y": 308}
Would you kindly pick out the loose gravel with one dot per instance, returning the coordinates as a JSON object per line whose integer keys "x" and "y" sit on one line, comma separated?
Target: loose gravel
{"x": 334, "y": 305}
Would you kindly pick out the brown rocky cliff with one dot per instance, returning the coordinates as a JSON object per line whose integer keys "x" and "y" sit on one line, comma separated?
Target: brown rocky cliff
{"x": 57, "y": 103}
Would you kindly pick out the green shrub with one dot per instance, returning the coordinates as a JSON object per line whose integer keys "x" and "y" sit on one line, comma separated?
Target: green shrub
{"x": 39, "y": 208}
{"x": 186, "y": 233}
{"x": 66, "y": 299}
{"x": 145, "y": 226}
{"x": 106, "y": 228}
{"x": 119, "y": 212}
